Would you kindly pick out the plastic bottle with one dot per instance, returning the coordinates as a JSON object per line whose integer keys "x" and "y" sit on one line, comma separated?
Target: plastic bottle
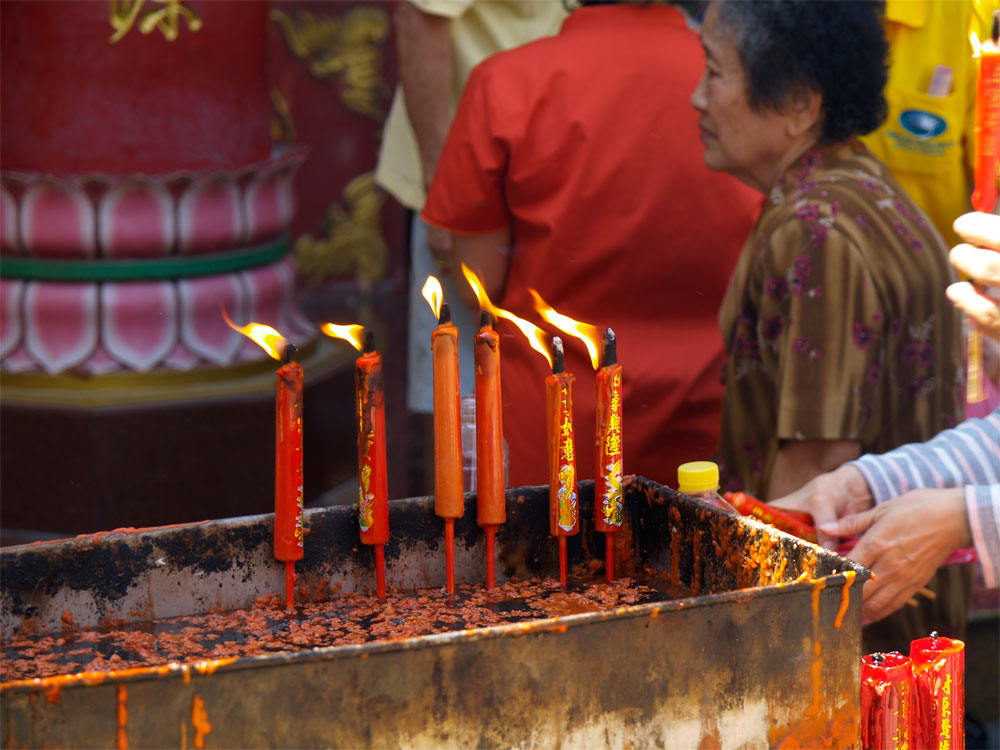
{"x": 468, "y": 411}
{"x": 700, "y": 479}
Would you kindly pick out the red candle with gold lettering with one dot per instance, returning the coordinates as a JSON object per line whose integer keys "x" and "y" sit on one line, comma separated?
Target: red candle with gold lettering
{"x": 491, "y": 509}
{"x": 449, "y": 496}
{"x": 886, "y": 702}
{"x": 938, "y": 666}
{"x": 564, "y": 518}
{"x": 373, "y": 500}
{"x": 288, "y": 470}
{"x": 608, "y": 479}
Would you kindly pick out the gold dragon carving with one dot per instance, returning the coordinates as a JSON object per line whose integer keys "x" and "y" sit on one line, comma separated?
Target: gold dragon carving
{"x": 354, "y": 242}
{"x": 345, "y": 47}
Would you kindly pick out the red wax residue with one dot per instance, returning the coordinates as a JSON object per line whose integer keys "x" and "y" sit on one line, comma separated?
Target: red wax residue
{"x": 886, "y": 700}
{"x": 939, "y": 693}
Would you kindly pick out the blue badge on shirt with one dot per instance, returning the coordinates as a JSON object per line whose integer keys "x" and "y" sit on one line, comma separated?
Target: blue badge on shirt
{"x": 922, "y": 124}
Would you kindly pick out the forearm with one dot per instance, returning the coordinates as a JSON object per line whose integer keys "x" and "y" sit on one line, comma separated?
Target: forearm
{"x": 423, "y": 46}
{"x": 798, "y": 461}
{"x": 488, "y": 256}
{"x": 982, "y": 505}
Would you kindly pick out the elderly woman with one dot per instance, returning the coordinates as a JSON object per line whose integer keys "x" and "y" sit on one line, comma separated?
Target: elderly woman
{"x": 840, "y": 337}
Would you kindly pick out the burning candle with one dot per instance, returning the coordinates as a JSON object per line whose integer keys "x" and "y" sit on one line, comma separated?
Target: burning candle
{"x": 564, "y": 520}
{"x": 490, "y": 505}
{"x": 608, "y": 513}
{"x": 449, "y": 498}
{"x": 288, "y": 545}
{"x": 986, "y": 137}
{"x": 373, "y": 494}
{"x": 886, "y": 702}
{"x": 938, "y": 665}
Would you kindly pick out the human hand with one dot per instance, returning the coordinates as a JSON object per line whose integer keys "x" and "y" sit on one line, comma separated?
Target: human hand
{"x": 828, "y": 497}
{"x": 442, "y": 246}
{"x": 979, "y": 259}
{"x": 904, "y": 542}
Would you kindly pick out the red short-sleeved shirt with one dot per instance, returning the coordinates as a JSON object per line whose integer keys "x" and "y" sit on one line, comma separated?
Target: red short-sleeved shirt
{"x": 586, "y": 145}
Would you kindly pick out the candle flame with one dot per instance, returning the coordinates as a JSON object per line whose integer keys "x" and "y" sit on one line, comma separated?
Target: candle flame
{"x": 590, "y": 335}
{"x": 977, "y": 47}
{"x": 352, "y": 334}
{"x": 538, "y": 338}
{"x": 264, "y": 336}
{"x": 433, "y": 294}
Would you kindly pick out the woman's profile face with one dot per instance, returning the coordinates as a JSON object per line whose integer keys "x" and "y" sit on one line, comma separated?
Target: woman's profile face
{"x": 750, "y": 145}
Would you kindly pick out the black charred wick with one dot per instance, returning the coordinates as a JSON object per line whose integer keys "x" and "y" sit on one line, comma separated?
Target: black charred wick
{"x": 558, "y": 357}
{"x": 289, "y": 354}
{"x": 369, "y": 342}
{"x": 934, "y": 634}
{"x": 445, "y": 316}
{"x": 878, "y": 658}
{"x": 485, "y": 319}
{"x": 995, "y": 30}
{"x": 610, "y": 354}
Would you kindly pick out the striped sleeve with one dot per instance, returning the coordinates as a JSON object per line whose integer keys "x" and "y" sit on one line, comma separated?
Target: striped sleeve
{"x": 966, "y": 455}
{"x": 983, "y": 506}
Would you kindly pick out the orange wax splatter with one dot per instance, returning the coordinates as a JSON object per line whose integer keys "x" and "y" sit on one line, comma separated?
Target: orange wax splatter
{"x": 122, "y": 739}
{"x": 54, "y": 694}
{"x": 199, "y": 719}
{"x": 845, "y": 598}
{"x": 817, "y": 664}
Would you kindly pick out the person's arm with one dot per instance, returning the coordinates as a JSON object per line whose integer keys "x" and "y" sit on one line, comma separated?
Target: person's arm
{"x": 904, "y": 542}
{"x": 798, "y": 461}
{"x": 486, "y": 255}
{"x": 982, "y": 504}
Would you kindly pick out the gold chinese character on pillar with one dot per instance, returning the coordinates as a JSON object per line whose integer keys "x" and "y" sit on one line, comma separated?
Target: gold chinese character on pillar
{"x": 122, "y": 15}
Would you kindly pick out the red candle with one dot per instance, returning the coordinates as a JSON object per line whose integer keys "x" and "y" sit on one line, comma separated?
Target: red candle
{"x": 288, "y": 471}
{"x": 886, "y": 702}
{"x": 287, "y": 449}
{"x": 449, "y": 497}
{"x": 986, "y": 141}
{"x": 373, "y": 501}
{"x": 491, "y": 510}
{"x": 564, "y": 520}
{"x": 608, "y": 482}
{"x": 938, "y": 665}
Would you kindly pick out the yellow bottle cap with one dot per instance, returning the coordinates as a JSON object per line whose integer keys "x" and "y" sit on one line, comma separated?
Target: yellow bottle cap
{"x": 697, "y": 476}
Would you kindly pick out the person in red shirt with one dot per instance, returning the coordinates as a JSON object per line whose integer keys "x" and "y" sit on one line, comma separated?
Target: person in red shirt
{"x": 571, "y": 168}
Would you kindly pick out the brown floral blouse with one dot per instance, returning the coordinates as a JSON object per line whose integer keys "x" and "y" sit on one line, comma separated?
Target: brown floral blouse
{"x": 836, "y": 322}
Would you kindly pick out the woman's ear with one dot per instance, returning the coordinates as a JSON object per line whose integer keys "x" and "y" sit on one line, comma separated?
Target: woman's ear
{"x": 804, "y": 111}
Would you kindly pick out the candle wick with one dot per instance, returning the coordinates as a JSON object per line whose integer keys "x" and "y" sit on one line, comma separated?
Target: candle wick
{"x": 445, "y": 316}
{"x": 995, "y": 30}
{"x": 558, "y": 357}
{"x": 289, "y": 354}
{"x": 878, "y": 658}
{"x": 610, "y": 354}
{"x": 485, "y": 319}
{"x": 369, "y": 342}
{"x": 934, "y": 634}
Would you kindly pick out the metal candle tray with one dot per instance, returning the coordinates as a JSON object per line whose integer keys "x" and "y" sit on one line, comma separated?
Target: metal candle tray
{"x": 765, "y": 650}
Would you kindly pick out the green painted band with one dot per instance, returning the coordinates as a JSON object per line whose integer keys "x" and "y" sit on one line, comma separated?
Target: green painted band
{"x": 37, "y": 269}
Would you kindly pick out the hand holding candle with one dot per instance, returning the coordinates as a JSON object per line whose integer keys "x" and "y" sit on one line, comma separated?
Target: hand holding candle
{"x": 373, "y": 495}
{"x": 288, "y": 545}
{"x": 449, "y": 498}
{"x": 986, "y": 137}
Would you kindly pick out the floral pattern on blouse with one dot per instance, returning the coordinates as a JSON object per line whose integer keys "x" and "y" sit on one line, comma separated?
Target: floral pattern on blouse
{"x": 836, "y": 322}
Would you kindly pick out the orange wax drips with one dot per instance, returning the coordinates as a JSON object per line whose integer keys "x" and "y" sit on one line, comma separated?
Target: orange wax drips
{"x": 845, "y": 598}
{"x": 121, "y": 741}
{"x": 199, "y": 719}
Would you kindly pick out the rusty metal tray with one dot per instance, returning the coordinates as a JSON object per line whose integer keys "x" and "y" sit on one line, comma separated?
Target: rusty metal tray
{"x": 765, "y": 650}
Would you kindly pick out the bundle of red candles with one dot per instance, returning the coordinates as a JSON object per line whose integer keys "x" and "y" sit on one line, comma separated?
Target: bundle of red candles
{"x": 916, "y": 701}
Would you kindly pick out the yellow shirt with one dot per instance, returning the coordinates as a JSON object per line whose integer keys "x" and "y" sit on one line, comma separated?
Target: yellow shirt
{"x": 479, "y": 28}
{"x": 927, "y": 138}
